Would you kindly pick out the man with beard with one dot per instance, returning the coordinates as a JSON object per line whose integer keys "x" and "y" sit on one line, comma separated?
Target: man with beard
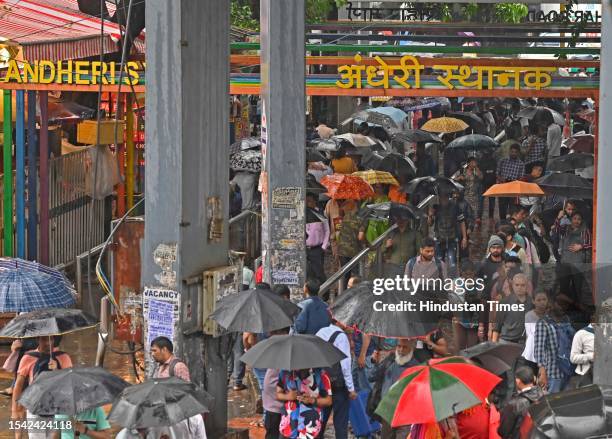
{"x": 491, "y": 264}
{"x": 384, "y": 374}
{"x": 426, "y": 265}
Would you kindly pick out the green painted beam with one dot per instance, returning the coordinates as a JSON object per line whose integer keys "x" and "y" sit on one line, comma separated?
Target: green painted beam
{"x": 7, "y": 217}
{"x": 435, "y": 49}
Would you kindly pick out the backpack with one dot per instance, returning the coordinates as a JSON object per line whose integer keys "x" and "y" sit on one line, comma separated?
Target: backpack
{"x": 335, "y": 372}
{"x": 42, "y": 364}
{"x": 172, "y": 365}
{"x": 565, "y": 335}
{"x": 538, "y": 242}
{"x": 412, "y": 263}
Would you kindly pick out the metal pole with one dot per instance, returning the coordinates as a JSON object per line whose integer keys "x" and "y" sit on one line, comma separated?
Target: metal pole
{"x": 32, "y": 177}
{"x": 603, "y": 226}
{"x": 20, "y": 192}
{"x": 129, "y": 144}
{"x": 8, "y": 174}
{"x": 187, "y": 175}
{"x": 43, "y": 172}
{"x": 121, "y": 147}
{"x": 283, "y": 138}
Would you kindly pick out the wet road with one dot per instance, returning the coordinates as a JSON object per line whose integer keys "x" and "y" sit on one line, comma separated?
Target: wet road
{"x": 81, "y": 346}
{"x": 241, "y": 405}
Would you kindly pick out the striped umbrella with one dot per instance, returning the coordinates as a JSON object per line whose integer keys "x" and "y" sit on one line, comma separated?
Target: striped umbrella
{"x": 442, "y": 388}
{"x": 27, "y": 286}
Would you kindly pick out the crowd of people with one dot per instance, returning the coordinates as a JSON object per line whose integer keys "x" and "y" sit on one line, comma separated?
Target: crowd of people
{"x": 535, "y": 261}
{"x": 31, "y": 357}
{"x": 536, "y": 258}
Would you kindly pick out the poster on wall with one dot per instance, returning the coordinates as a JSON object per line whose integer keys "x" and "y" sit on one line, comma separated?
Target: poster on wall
{"x": 161, "y": 312}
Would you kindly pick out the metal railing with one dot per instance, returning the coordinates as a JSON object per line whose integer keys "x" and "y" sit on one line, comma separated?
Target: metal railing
{"x": 338, "y": 276}
{"x": 73, "y": 227}
{"x": 359, "y": 259}
{"x": 72, "y": 230}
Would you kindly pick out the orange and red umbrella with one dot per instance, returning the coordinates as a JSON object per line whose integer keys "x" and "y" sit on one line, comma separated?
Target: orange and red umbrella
{"x": 346, "y": 187}
{"x": 515, "y": 188}
{"x": 443, "y": 387}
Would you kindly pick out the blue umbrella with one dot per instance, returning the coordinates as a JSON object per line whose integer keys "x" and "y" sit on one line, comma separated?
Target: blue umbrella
{"x": 27, "y": 286}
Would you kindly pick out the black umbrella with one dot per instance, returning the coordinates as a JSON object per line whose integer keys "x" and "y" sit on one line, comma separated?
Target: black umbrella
{"x": 312, "y": 185}
{"x": 362, "y": 306}
{"x": 71, "y": 391}
{"x": 497, "y": 358}
{"x": 293, "y": 352}
{"x": 255, "y": 310}
{"x": 159, "y": 402}
{"x": 47, "y": 322}
{"x": 245, "y": 144}
{"x": 398, "y": 165}
{"x": 312, "y": 155}
{"x": 569, "y": 162}
{"x": 473, "y": 142}
{"x": 396, "y": 210}
{"x": 431, "y": 185}
{"x": 542, "y": 114}
{"x": 417, "y": 136}
{"x": 573, "y": 414}
{"x": 473, "y": 120}
{"x": 371, "y": 159}
{"x": 566, "y": 184}
{"x": 326, "y": 145}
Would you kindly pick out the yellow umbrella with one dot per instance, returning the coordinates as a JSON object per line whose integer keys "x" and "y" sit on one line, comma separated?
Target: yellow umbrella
{"x": 444, "y": 125}
{"x": 377, "y": 177}
{"x": 515, "y": 188}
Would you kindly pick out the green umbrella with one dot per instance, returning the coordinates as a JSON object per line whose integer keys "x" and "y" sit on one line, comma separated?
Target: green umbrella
{"x": 432, "y": 392}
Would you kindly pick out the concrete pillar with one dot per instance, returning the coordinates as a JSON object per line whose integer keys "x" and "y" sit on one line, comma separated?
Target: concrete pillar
{"x": 187, "y": 130}
{"x": 603, "y": 256}
{"x": 283, "y": 138}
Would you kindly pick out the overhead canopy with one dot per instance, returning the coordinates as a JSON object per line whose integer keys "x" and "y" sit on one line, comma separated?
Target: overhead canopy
{"x": 55, "y": 30}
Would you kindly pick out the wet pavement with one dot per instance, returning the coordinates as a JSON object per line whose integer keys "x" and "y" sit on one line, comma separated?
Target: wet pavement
{"x": 241, "y": 405}
{"x": 81, "y": 346}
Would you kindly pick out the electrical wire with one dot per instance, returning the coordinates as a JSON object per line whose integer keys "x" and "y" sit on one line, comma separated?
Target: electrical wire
{"x": 103, "y": 281}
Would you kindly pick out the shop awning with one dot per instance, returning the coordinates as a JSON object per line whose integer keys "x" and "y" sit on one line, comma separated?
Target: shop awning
{"x": 55, "y": 30}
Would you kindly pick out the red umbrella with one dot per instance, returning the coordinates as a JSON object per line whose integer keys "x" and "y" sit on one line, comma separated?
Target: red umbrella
{"x": 442, "y": 388}
{"x": 346, "y": 187}
{"x": 582, "y": 143}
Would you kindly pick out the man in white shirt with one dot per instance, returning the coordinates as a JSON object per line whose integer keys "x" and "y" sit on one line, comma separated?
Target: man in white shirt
{"x": 583, "y": 354}
{"x": 554, "y": 137}
{"x": 343, "y": 389}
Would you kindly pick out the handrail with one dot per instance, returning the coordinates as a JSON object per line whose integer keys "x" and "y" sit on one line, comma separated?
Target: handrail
{"x": 357, "y": 258}
{"x": 242, "y": 215}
